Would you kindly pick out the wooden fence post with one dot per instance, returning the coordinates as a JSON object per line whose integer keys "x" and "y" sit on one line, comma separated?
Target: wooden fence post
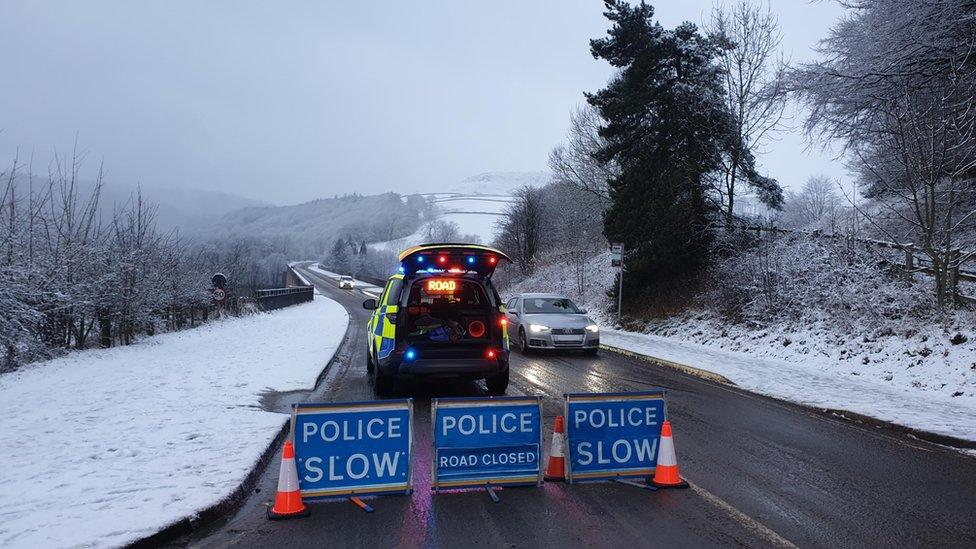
{"x": 909, "y": 260}
{"x": 954, "y": 274}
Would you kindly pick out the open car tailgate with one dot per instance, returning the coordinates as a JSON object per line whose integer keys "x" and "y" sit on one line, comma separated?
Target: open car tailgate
{"x": 453, "y": 258}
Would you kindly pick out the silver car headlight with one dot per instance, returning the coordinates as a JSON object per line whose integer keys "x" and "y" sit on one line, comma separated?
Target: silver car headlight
{"x": 538, "y": 328}
{"x": 593, "y": 328}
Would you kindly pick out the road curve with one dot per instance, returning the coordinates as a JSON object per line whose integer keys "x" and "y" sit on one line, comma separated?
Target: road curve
{"x": 763, "y": 473}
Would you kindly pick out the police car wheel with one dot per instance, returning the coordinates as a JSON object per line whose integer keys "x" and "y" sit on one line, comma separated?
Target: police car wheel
{"x": 382, "y": 383}
{"x": 497, "y": 385}
{"x": 369, "y": 362}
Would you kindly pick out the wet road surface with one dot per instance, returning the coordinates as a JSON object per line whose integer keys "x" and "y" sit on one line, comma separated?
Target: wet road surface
{"x": 763, "y": 473}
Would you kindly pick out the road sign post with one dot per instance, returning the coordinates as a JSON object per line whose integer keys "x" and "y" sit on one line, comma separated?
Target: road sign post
{"x": 487, "y": 442}
{"x": 617, "y": 262}
{"x": 349, "y": 449}
{"x": 613, "y": 436}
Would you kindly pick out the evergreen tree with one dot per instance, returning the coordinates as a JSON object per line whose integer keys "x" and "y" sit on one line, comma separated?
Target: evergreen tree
{"x": 665, "y": 127}
{"x": 339, "y": 258}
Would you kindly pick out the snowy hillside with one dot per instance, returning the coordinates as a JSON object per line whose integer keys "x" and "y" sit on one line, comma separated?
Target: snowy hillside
{"x": 474, "y": 204}
{"x": 499, "y": 183}
{"x": 351, "y": 216}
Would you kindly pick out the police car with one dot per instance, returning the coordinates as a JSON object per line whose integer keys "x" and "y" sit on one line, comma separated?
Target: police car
{"x": 439, "y": 317}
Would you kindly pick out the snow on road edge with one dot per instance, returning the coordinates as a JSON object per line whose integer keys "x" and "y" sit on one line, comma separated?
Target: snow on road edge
{"x": 809, "y": 385}
{"x": 104, "y": 447}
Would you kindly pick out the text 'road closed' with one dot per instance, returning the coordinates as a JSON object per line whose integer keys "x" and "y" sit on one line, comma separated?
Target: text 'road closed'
{"x": 482, "y": 441}
{"x": 613, "y": 435}
{"x": 353, "y": 448}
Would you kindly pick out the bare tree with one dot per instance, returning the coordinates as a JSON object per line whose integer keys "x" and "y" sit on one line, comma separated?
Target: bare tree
{"x": 816, "y": 205}
{"x": 574, "y": 163}
{"x": 521, "y": 228}
{"x": 897, "y": 88}
{"x": 754, "y": 94}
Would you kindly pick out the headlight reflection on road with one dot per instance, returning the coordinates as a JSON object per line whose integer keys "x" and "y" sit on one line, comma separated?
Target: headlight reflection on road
{"x": 532, "y": 374}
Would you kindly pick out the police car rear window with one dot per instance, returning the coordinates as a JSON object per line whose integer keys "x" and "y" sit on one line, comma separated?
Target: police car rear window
{"x": 463, "y": 293}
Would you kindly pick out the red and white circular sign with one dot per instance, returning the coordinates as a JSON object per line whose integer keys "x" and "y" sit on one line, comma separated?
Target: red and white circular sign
{"x": 218, "y": 294}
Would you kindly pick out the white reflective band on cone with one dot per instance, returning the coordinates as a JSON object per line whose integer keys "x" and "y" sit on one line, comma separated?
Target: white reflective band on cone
{"x": 288, "y": 476}
{"x": 557, "y": 445}
{"x": 665, "y": 455}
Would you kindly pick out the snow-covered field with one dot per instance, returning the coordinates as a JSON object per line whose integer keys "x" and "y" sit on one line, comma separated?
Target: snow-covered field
{"x": 475, "y": 204}
{"x": 104, "y": 447}
{"x": 923, "y": 378}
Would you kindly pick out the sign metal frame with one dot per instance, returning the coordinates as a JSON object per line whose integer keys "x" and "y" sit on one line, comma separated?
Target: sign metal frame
{"x": 467, "y": 402}
{"x": 610, "y": 474}
{"x": 405, "y": 488}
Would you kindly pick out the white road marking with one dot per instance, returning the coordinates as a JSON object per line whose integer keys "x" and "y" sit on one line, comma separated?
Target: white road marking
{"x": 747, "y": 521}
{"x": 369, "y": 294}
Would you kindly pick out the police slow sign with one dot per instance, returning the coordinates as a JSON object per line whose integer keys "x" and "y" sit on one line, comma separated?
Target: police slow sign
{"x": 353, "y": 448}
{"x": 613, "y": 435}
{"x": 487, "y": 441}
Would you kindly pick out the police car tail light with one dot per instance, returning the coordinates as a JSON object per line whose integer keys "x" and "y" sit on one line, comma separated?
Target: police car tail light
{"x": 490, "y": 354}
{"x": 492, "y": 260}
{"x": 503, "y": 322}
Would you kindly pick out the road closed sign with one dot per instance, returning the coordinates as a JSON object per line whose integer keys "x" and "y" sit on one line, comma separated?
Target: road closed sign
{"x": 355, "y": 448}
{"x": 482, "y": 442}
{"x": 612, "y": 435}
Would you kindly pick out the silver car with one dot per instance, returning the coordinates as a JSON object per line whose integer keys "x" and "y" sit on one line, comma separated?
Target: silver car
{"x": 550, "y": 321}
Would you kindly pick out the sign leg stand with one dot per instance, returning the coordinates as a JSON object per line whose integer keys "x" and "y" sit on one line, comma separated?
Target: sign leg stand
{"x": 491, "y": 493}
{"x": 636, "y": 484}
{"x": 361, "y": 504}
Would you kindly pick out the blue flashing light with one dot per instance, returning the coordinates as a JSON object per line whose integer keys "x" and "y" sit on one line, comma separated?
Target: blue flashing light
{"x": 401, "y": 269}
{"x": 471, "y": 260}
{"x": 420, "y": 259}
{"x": 410, "y": 354}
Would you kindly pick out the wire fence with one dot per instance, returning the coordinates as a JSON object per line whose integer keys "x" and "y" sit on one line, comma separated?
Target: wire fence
{"x": 912, "y": 261}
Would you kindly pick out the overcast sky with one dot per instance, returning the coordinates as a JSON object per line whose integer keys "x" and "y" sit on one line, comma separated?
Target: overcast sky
{"x": 288, "y": 104}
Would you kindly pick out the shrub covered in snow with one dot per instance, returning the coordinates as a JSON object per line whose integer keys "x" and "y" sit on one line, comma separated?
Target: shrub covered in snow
{"x": 795, "y": 278}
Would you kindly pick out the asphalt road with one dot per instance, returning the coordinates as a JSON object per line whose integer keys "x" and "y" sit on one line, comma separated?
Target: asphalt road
{"x": 763, "y": 473}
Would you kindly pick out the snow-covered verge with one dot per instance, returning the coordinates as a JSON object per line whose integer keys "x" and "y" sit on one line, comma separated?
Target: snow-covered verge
{"x": 921, "y": 375}
{"x": 819, "y": 382}
{"x": 104, "y": 447}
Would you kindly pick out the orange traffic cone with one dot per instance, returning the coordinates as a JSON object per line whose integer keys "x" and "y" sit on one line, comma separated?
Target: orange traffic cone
{"x": 557, "y": 459}
{"x": 666, "y": 472}
{"x": 288, "y": 502}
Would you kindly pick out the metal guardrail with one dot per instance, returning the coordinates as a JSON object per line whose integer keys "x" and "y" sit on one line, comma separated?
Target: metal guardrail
{"x": 277, "y": 298}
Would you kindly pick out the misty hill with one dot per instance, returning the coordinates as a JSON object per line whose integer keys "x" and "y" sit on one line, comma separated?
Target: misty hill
{"x": 361, "y": 218}
{"x": 188, "y": 210}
